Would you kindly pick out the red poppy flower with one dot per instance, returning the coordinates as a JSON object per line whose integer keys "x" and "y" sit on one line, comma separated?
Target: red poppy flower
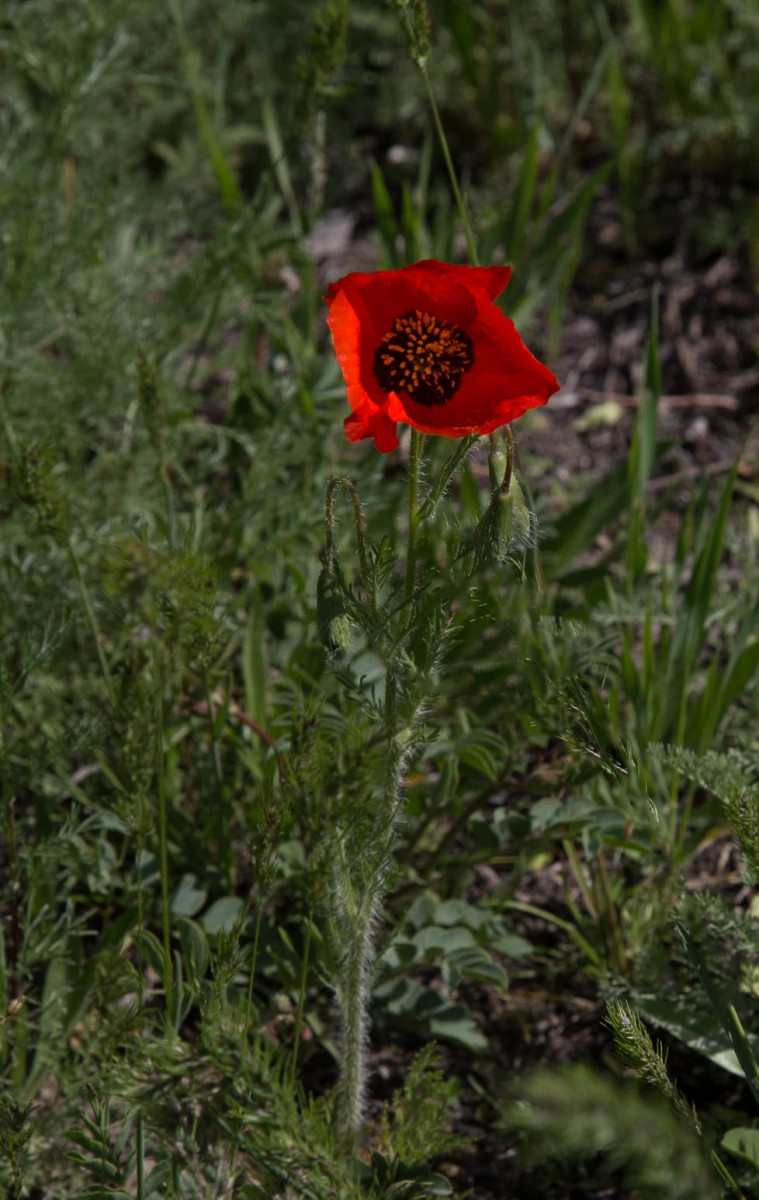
{"x": 427, "y": 345}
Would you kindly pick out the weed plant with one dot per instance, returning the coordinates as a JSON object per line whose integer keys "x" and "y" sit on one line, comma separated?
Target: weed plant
{"x": 177, "y": 746}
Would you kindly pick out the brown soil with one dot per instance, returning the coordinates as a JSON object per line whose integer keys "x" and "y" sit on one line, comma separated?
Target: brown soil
{"x": 708, "y": 350}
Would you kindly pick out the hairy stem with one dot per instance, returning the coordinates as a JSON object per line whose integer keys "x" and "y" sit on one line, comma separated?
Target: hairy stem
{"x": 458, "y": 455}
{"x": 329, "y": 554}
{"x": 354, "y": 1000}
{"x": 360, "y": 891}
{"x": 415, "y": 459}
{"x": 358, "y": 902}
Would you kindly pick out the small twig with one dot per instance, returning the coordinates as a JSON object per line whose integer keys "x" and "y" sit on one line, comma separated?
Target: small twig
{"x": 202, "y": 709}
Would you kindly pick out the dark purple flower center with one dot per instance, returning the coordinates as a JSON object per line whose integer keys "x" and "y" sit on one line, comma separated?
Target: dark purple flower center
{"x": 424, "y": 357}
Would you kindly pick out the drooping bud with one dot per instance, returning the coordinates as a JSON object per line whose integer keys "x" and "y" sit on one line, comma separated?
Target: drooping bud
{"x": 332, "y": 611}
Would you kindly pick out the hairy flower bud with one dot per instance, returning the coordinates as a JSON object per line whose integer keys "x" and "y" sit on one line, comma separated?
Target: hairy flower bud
{"x": 523, "y": 528}
{"x": 505, "y": 526}
{"x": 332, "y": 612}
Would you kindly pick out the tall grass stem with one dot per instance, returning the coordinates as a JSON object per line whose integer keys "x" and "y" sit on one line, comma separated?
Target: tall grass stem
{"x": 163, "y": 848}
{"x": 301, "y": 1000}
{"x": 458, "y": 196}
{"x": 91, "y": 618}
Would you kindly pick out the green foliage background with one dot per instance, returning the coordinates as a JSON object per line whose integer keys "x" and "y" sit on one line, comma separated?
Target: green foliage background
{"x": 177, "y": 750}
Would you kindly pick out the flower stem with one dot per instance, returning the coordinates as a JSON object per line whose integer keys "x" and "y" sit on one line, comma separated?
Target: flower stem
{"x": 432, "y": 500}
{"x": 414, "y": 519}
{"x": 359, "y": 895}
{"x": 354, "y": 1005}
{"x": 358, "y": 901}
{"x": 460, "y": 202}
{"x": 510, "y": 452}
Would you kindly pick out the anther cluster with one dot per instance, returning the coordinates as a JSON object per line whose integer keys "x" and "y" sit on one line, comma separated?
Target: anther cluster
{"x": 424, "y": 357}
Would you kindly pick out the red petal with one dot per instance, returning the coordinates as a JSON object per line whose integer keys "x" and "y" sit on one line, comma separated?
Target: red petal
{"x": 491, "y": 280}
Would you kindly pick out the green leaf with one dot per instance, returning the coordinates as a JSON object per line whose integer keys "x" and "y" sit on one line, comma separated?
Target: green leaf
{"x": 254, "y": 661}
{"x": 511, "y": 945}
{"x": 481, "y": 750}
{"x": 149, "y": 948}
{"x": 456, "y": 1026}
{"x": 524, "y": 196}
{"x": 698, "y": 1031}
{"x": 475, "y": 963}
{"x": 195, "y": 951}
{"x": 222, "y": 915}
{"x": 423, "y": 912}
{"x": 743, "y": 1143}
{"x": 385, "y": 214}
{"x": 458, "y": 912}
{"x": 279, "y": 162}
{"x": 433, "y": 940}
{"x": 429, "y": 1011}
{"x": 156, "y": 1182}
{"x": 689, "y": 632}
{"x": 87, "y": 1141}
{"x": 188, "y": 898}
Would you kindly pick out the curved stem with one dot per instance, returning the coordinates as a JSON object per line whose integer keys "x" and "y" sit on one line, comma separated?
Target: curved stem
{"x": 334, "y": 483}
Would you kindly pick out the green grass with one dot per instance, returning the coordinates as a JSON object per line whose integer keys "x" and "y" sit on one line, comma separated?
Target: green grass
{"x": 177, "y": 750}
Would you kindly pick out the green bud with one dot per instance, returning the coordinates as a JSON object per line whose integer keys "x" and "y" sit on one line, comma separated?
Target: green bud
{"x": 331, "y": 612}
{"x": 506, "y": 526}
{"x": 492, "y": 537}
{"x": 522, "y": 530}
